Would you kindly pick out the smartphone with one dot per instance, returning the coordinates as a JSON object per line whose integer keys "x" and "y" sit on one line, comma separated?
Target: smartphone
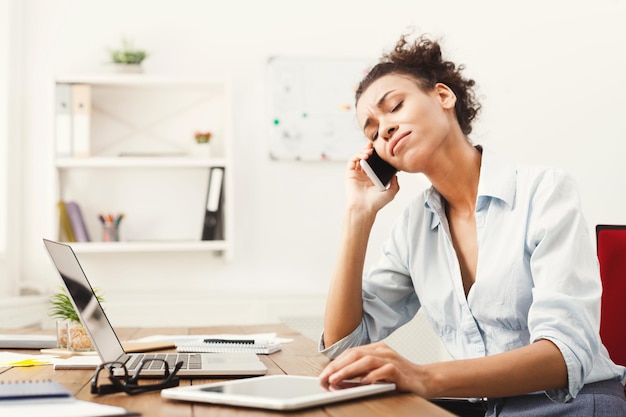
{"x": 378, "y": 170}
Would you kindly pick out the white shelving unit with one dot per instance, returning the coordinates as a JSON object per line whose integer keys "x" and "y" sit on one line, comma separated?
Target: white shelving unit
{"x": 144, "y": 162}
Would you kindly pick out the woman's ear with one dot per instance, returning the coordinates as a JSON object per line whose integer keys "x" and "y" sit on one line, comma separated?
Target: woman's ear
{"x": 446, "y": 95}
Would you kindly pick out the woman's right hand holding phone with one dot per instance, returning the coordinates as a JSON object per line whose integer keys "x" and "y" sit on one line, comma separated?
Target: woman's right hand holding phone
{"x": 361, "y": 192}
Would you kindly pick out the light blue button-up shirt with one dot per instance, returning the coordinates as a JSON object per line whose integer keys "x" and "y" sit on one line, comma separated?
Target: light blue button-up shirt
{"x": 537, "y": 275}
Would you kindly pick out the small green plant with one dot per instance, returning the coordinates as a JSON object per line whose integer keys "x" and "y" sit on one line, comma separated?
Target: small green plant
{"x": 127, "y": 54}
{"x": 203, "y": 137}
{"x": 61, "y": 306}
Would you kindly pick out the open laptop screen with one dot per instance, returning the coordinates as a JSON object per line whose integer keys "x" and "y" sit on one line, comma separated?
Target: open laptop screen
{"x": 85, "y": 302}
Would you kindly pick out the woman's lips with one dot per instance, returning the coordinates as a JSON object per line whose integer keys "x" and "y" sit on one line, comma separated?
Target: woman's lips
{"x": 394, "y": 143}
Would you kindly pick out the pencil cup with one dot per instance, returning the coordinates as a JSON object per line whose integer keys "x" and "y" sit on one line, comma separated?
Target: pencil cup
{"x": 77, "y": 338}
{"x": 110, "y": 233}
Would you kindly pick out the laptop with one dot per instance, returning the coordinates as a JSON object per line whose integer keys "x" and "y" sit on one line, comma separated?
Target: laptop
{"x": 108, "y": 345}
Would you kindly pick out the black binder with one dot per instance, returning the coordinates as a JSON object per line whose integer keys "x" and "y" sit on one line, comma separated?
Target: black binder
{"x": 213, "y": 228}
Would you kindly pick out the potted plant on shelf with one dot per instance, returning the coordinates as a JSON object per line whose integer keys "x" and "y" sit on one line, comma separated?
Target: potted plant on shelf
{"x": 71, "y": 334}
{"x": 127, "y": 58}
{"x": 203, "y": 140}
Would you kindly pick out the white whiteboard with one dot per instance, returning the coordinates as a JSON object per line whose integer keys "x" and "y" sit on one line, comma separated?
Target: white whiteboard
{"x": 311, "y": 107}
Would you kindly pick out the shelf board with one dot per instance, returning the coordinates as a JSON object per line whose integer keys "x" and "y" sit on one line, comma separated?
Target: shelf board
{"x": 153, "y": 246}
{"x": 148, "y": 80}
{"x": 138, "y": 162}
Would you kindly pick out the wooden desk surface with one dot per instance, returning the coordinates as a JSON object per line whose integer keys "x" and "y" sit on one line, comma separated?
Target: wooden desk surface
{"x": 299, "y": 357}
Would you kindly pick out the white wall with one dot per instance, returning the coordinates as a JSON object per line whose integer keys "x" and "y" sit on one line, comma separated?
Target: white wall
{"x": 550, "y": 75}
{"x": 10, "y": 148}
{"x": 4, "y": 131}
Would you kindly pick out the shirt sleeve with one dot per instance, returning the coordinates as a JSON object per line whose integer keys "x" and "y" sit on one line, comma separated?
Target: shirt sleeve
{"x": 356, "y": 338}
{"x": 389, "y": 299}
{"x": 566, "y": 278}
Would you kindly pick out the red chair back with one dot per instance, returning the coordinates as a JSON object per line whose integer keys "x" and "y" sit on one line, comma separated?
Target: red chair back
{"x": 611, "y": 246}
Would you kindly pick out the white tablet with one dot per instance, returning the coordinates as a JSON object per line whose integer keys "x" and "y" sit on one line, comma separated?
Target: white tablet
{"x": 275, "y": 392}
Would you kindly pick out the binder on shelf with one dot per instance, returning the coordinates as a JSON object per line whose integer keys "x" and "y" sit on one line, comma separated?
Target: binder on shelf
{"x": 78, "y": 223}
{"x": 66, "y": 233}
{"x": 63, "y": 121}
{"x": 213, "y": 218}
{"x": 81, "y": 120}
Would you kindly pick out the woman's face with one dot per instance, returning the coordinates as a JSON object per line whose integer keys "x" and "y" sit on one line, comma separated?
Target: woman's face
{"x": 405, "y": 122}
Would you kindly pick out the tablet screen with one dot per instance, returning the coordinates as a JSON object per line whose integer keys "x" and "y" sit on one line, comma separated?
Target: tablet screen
{"x": 277, "y": 392}
{"x": 279, "y": 388}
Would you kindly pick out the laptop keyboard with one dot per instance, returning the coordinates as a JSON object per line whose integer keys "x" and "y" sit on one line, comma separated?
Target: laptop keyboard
{"x": 190, "y": 360}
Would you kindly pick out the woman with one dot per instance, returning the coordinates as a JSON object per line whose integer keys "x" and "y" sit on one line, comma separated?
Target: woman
{"x": 498, "y": 256}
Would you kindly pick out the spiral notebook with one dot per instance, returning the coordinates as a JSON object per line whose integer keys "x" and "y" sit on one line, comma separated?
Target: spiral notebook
{"x": 260, "y": 347}
{"x": 51, "y": 399}
{"x": 23, "y": 390}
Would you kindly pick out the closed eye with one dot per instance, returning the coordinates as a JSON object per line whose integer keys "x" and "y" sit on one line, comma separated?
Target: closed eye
{"x": 397, "y": 106}
{"x": 371, "y": 132}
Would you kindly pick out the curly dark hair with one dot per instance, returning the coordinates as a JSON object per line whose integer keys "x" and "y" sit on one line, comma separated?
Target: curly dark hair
{"x": 422, "y": 60}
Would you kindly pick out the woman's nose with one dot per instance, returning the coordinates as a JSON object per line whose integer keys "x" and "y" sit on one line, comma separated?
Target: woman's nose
{"x": 388, "y": 131}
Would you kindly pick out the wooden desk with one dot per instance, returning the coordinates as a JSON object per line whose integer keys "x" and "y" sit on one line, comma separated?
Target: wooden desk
{"x": 299, "y": 357}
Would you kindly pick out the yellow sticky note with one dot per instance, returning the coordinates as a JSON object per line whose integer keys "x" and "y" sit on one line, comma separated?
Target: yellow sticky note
{"x": 29, "y": 362}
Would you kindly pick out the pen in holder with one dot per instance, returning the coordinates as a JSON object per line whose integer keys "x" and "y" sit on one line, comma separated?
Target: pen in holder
{"x": 110, "y": 227}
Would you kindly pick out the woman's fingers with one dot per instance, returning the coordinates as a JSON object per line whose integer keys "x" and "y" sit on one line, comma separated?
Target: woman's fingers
{"x": 372, "y": 363}
{"x": 356, "y": 363}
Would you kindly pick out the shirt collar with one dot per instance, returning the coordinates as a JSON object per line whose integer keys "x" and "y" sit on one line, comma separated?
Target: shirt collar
{"x": 498, "y": 179}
